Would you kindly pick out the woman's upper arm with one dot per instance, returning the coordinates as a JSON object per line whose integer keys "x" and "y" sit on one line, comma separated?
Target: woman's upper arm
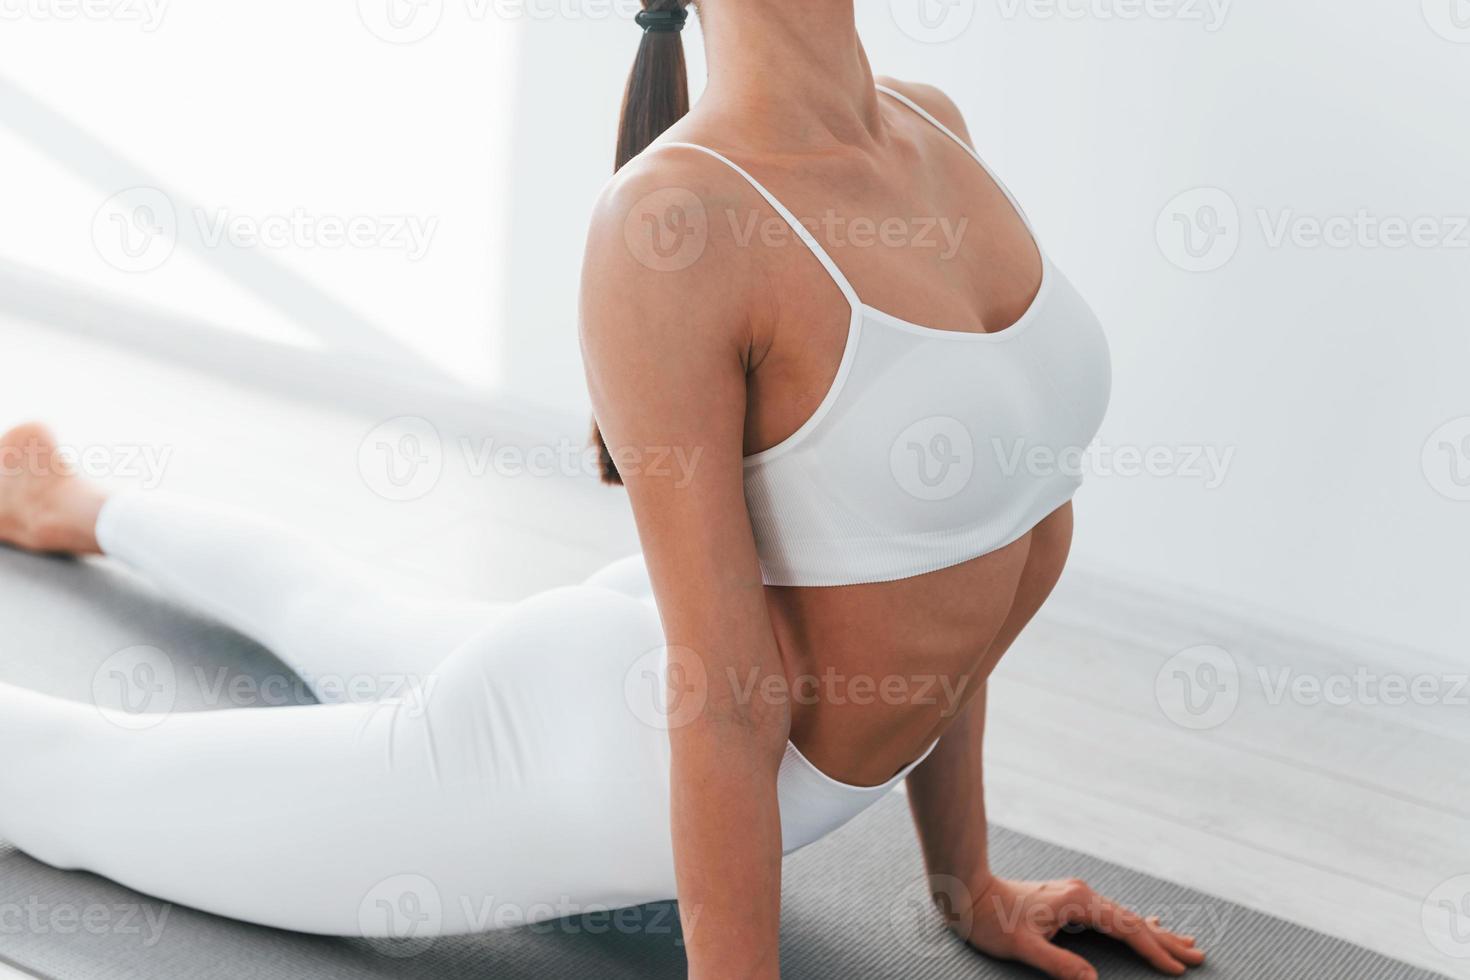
{"x": 666, "y": 336}
{"x": 666, "y": 346}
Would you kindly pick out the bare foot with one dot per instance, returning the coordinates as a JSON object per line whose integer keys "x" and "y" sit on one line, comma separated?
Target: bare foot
{"x": 44, "y": 506}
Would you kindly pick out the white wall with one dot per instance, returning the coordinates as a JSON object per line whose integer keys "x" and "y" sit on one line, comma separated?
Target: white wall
{"x": 265, "y": 113}
{"x": 1324, "y": 370}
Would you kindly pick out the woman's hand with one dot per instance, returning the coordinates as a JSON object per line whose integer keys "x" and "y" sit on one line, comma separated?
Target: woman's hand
{"x": 1017, "y": 920}
{"x": 1013, "y": 920}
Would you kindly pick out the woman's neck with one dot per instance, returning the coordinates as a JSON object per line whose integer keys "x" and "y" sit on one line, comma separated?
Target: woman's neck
{"x": 799, "y": 68}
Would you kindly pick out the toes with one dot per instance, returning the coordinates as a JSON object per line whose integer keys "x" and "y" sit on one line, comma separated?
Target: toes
{"x": 29, "y": 434}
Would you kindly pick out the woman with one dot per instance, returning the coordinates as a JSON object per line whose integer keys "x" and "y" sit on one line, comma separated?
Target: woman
{"x": 847, "y": 539}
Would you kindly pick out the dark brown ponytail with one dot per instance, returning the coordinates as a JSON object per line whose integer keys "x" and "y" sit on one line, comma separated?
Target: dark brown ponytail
{"x": 657, "y": 96}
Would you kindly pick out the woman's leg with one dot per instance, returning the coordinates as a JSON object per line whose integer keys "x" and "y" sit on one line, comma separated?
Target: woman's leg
{"x": 526, "y": 783}
{"x": 626, "y": 575}
{"x": 525, "y": 787}
{"x": 350, "y": 636}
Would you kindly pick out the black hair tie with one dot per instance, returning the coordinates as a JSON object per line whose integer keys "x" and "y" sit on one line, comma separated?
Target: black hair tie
{"x": 661, "y": 21}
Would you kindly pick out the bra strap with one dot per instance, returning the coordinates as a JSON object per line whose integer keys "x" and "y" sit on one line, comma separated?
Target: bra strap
{"x": 926, "y": 114}
{"x": 795, "y": 225}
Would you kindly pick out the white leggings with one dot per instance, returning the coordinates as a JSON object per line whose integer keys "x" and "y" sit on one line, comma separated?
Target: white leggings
{"x": 521, "y": 775}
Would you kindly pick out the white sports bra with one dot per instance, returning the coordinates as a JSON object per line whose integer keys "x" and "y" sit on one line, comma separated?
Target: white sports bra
{"x": 931, "y": 447}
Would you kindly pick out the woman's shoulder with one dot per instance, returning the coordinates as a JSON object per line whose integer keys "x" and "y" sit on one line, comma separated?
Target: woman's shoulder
{"x": 932, "y": 100}
{"x": 662, "y": 242}
{"x": 667, "y": 206}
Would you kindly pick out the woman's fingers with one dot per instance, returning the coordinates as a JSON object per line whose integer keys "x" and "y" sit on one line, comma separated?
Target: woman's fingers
{"x": 1187, "y": 955}
{"x": 1159, "y": 926}
{"x": 1113, "y": 920}
{"x": 1055, "y": 962}
{"x": 1180, "y": 947}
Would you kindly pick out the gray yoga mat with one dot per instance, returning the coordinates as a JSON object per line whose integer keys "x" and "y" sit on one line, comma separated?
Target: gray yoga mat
{"x": 854, "y": 905}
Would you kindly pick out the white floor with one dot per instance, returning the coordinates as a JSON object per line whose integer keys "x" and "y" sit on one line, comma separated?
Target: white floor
{"x": 1341, "y": 817}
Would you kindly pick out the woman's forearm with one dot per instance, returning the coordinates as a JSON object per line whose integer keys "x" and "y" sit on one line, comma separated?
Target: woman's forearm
{"x": 727, "y": 848}
{"x": 947, "y": 799}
